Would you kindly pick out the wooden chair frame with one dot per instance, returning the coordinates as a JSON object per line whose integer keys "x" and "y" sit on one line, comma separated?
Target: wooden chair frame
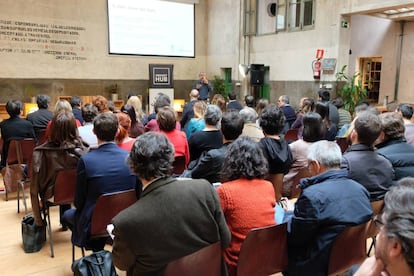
{"x": 102, "y": 215}
{"x": 264, "y": 251}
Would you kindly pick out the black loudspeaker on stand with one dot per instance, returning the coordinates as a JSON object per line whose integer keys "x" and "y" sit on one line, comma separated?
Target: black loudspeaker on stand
{"x": 256, "y": 74}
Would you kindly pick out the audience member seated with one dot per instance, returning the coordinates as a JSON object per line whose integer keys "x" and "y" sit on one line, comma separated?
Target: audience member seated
{"x": 288, "y": 111}
{"x": 250, "y": 128}
{"x": 172, "y": 218}
{"x": 61, "y": 105}
{"x": 14, "y": 128}
{"x": 62, "y": 151}
{"x": 101, "y": 104}
{"x": 363, "y": 163}
{"x": 76, "y": 103}
{"x": 313, "y": 131}
{"x": 247, "y": 200}
{"x": 188, "y": 112}
{"x": 101, "y": 171}
{"x": 344, "y": 115}
{"x": 209, "y": 165}
{"x": 136, "y": 103}
{"x": 331, "y": 128}
{"x": 306, "y": 105}
{"x": 122, "y": 138}
{"x": 167, "y": 119}
{"x": 249, "y": 101}
{"x": 196, "y": 123}
{"x": 233, "y": 104}
{"x": 161, "y": 101}
{"x": 329, "y": 202}
{"x": 261, "y": 104}
{"x": 275, "y": 149}
{"x": 394, "y": 250}
{"x": 324, "y": 97}
{"x": 406, "y": 112}
{"x": 89, "y": 112}
{"x": 219, "y": 100}
{"x": 210, "y": 137}
{"x": 137, "y": 128}
{"x": 42, "y": 116}
{"x": 393, "y": 146}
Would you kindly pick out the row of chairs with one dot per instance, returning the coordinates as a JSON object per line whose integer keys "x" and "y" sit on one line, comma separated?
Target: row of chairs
{"x": 264, "y": 251}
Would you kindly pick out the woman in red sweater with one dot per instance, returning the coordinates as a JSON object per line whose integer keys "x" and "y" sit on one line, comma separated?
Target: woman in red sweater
{"x": 247, "y": 199}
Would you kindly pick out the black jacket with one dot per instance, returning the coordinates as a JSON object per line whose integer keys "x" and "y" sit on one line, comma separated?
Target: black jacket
{"x": 368, "y": 168}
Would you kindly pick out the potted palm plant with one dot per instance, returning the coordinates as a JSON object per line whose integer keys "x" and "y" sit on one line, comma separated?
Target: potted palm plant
{"x": 350, "y": 89}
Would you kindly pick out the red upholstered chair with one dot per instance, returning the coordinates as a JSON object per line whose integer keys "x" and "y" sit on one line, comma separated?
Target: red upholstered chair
{"x": 264, "y": 251}
{"x": 63, "y": 193}
{"x": 19, "y": 153}
{"x": 342, "y": 142}
{"x": 291, "y": 135}
{"x": 349, "y": 248}
{"x": 179, "y": 165}
{"x": 106, "y": 208}
{"x": 204, "y": 262}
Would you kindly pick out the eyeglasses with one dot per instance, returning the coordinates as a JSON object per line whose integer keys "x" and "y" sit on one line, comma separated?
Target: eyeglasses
{"x": 378, "y": 222}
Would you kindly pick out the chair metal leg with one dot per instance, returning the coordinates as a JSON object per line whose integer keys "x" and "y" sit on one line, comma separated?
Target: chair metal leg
{"x": 18, "y": 198}
{"x": 24, "y": 197}
{"x": 49, "y": 230}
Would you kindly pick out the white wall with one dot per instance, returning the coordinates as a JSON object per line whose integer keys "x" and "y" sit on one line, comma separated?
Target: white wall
{"x": 91, "y": 44}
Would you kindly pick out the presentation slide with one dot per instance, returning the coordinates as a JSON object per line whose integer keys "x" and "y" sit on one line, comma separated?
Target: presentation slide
{"x": 151, "y": 28}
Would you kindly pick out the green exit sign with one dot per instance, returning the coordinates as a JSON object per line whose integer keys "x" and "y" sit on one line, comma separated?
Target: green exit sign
{"x": 344, "y": 24}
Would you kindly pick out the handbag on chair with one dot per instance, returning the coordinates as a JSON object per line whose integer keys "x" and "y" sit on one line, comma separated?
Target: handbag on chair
{"x": 97, "y": 264}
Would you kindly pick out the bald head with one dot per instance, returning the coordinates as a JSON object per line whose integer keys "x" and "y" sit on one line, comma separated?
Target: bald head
{"x": 194, "y": 94}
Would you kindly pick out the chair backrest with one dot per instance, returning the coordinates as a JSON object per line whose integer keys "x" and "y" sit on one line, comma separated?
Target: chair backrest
{"x": 20, "y": 152}
{"x": 179, "y": 164}
{"x": 302, "y": 173}
{"x": 343, "y": 143}
{"x": 348, "y": 248}
{"x": 264, "y": 251}
{"x": 64, "y": 188}
{"x": 277, "y": 181}
{"x": 291, "y": 134}
{"x": 41, "y": 136}
{"x": 372, "y": 229}
{"x": 204, "y": 262}
{"x": 107, "y": 207}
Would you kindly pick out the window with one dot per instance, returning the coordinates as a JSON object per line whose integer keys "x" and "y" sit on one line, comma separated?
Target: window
{"x": 301, "y": 14}
{"x": 272, "y": 16}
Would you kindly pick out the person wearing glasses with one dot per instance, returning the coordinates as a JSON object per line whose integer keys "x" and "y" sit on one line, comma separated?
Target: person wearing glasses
{"x": 329, "y": 202}
{"x": 394, "y": 250}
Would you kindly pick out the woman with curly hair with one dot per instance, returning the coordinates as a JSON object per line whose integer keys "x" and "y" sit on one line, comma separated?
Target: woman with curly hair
{"x": 247, "y": 199}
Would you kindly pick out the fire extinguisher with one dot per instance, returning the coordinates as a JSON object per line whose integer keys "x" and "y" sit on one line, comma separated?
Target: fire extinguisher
{"x": 316, "y": 67}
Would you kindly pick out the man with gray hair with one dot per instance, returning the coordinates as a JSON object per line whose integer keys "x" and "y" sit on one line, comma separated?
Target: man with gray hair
{"x": 288, "y": 110}
{"x": 172, "y": 218}
{"x": 394, "y": 250}
{"x": 250, "y": 128}
{"x": 329, "y": 202}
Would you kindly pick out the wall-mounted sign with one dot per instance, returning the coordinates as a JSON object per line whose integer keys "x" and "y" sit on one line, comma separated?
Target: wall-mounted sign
{"x": 328, "y": 64}
{"x": 161, "y": 75}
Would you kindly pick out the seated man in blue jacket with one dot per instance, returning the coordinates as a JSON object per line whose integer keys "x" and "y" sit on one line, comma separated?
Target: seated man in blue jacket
{"x": 329, "y": 202}
{"x": 100, "y": 171}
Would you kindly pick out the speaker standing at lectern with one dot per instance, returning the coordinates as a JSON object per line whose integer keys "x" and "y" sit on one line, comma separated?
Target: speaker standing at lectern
{"x": 203, "y": 86}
